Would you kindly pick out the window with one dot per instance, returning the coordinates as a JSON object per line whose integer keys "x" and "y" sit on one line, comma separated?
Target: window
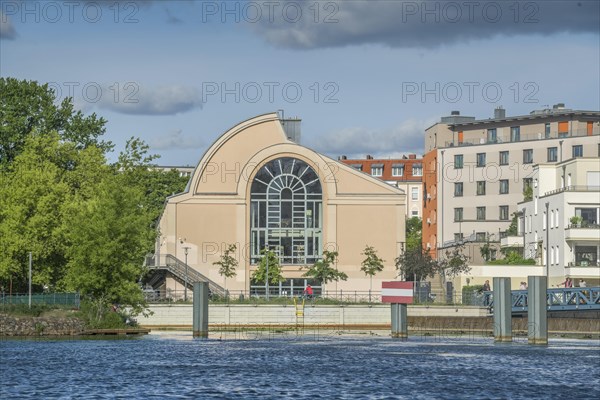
{"x": 578, "y": 151}
{"x": 528, "y": 156}
{"x": 551, "y": 255}
{"x": 504, "y": 158}
{"x": 491, "y": 136}
{"x": 503, "y": 186}
{"x": 458, "y": 214}
{"x": 458, "y": 161}
{"x": 481, "y": 159}
{"x": 480, "y": 213}
{"x": 586, "y": 256}
{"x": 377, "y": 170}
{"x": 552, "y": 154}
{"x": 458, "y": 189}
{"x": 415, "y": 193}
{"x": 544, "y": 221}
{"x": 563, "y": 129}
{"x": 480, "y": 236}
{"x": 547, "y": 130}
{"x": 357, "y": 167}
{"x": 557, "y": 219}
{"x": 588, "y": 216}
{"x": 415, "y": 213}
{"x": 417, "y": 170}
{"x": 503, "y": 215}
{"x": 397, "y": 169}
{"x": 527, "y": 183}
{"x": 515, "y": 134}
{"x": 551, "y": 219}
{"x": 286, "y": 212}
{"x": 480, "y": 188}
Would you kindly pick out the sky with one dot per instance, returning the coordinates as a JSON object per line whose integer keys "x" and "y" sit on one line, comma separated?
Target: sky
{"x": 365, "y": 76}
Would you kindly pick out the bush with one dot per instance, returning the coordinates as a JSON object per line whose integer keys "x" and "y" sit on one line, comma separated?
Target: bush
{"x": 471, "y": 295}
{"x": 513, "y": 258}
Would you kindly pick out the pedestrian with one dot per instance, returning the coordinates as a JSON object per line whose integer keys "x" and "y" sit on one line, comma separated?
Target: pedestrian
{"x": 486, "y": 286}
{"x": 308, "y": 291}
{"x": 568, "y": 283}
{"x": 523, "y": 286}
{"x": 582, "y": 283}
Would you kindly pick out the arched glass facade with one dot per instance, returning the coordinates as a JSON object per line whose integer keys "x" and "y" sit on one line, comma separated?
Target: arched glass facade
{"x": 286, "y": 202}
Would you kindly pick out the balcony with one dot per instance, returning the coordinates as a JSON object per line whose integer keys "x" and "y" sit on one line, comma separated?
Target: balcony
{"x": 582, "y": 233}
{"x": 522, "y": 138}
{"x": 578, "y": 188}
{"x": 512, "y": 241}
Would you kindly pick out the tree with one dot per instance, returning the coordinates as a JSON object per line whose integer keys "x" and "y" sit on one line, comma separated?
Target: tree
{"x": 413, "y": 233}
{"x": 46, "y": 176}
{"x": 323, "y": 270}
{"x": 109, "y": 234}
{"x": 416, "y": 265}
{"x": 227, "y": 264}
{"x": 260, "y": 275}
{"x": 27, "y": 107}
{"x": 528, "y": 193}
{"x": 371, "y": 265}
{"x": 454, "y": 262}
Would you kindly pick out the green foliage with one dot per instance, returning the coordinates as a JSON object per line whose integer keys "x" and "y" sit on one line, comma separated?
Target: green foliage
{"x": 576, "y": 220}
{"x": 372, "y": 264}
{"x": 323, "y": 270}
{"x": 27, "y": 107}
{"x": 513, "y": 258}
{"x": 528, "y": 193}
{"x": 454, "y": 262}
{"x": 416, "y": 264}
{"x": 513, "y": 227}
{"x": 413, "y": 233}
{"x": 469, "y": 294}
{"x": 486, "y": 250}
{"x": 101, "y": 315}
{"x": 260, "y": 274}
{"x": 227, "y": 264}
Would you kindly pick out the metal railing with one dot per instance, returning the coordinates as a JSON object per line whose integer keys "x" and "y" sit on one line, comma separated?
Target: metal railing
{"x": 567, "y": 299}
{"x": 184, "y": 273}
{"x": 522, "y": 138}
{"x": 574, "y": 188}
{"x": 66, "y": 299}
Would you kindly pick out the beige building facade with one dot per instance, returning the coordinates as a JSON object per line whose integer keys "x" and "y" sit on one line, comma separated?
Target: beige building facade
{"x": 255, "y": 187}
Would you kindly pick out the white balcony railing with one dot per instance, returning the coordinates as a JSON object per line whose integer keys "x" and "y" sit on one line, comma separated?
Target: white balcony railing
{"x": 512, "y": 241}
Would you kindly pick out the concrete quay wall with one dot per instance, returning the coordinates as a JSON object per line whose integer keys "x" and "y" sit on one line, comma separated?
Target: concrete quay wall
{"x": 420, "y": 318}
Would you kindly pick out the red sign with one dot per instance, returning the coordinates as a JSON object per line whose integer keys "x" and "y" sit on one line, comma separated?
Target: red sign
{"x": 397, "y": 292}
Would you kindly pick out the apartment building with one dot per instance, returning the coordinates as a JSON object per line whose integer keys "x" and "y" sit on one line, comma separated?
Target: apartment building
{"x": 186, "y": 171}
{"x": 477, "y": 170}
{"x": 561, "y": 222}
{"x": 405, "y": 173}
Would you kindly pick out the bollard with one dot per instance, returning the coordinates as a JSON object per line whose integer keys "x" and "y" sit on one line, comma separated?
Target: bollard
{"x": 502, "y": 310}
{"x": 537, "y": 310}
{"x": 200, "y": 310}
{"x": 399, "y": 321}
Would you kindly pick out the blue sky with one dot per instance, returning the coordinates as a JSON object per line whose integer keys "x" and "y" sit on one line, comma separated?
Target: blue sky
{"x": 179, "y": 73}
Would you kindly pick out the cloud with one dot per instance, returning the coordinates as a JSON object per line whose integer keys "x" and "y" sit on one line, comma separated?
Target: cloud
{"x": 142, "y": 100}
{"x": 420, "y": 24}
{"x": 7, "y": 30}
{"x": 356, "y": 142}
{"x": 176, "y": 140}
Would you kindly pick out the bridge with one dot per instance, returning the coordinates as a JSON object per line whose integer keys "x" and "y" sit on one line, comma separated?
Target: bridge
{"x": 567, "y": 299}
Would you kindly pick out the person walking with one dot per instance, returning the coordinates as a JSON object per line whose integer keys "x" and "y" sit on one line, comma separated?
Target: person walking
{"x": 568, "y": 283}
{"x": 308, "y": 292}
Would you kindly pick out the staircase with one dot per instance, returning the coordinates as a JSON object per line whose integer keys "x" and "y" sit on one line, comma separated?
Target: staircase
{"x": 182, "y": 272}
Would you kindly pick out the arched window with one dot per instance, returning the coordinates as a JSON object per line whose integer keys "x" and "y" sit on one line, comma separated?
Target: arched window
{"x": 286, "y": 212}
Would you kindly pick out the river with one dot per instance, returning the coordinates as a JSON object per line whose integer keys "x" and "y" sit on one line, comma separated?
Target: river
{"x": 279, "y": 365}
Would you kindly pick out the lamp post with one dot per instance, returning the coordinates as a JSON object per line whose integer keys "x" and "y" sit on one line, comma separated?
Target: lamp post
{"x": 267, "y": 273}
{"x": 185, "y": 249}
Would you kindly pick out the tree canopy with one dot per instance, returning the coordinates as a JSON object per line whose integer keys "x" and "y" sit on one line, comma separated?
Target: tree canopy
{"x": 323, "y": 270}
{"x": 88, "y": 223}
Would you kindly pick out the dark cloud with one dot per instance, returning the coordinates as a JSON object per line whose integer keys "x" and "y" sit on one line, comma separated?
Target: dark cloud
{"x": 142, "y": 100}
{"x": 356, "y": 142}
{"x": 419, "y": 23}
{"x": 7, "y": 30}
{"x": 176, "y": 140}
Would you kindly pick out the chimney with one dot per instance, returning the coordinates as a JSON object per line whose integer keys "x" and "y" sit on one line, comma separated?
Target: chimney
{"x": 412, "y": 156}
{"x": 369, "y": 157}
{"x": 455, "y": 113}
{"x": 343, "y": 158}
{"x": 291, "y": 127}
{"x": 559, "y": 106}
{"x": 499, "y": 113}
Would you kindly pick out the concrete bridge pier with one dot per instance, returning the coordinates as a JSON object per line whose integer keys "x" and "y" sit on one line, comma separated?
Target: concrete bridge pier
{"x": 502, "y": 310}
{"x": 399, "y": 321}
{"x": 537, "y": 310}
{"x": 200, "y": 310}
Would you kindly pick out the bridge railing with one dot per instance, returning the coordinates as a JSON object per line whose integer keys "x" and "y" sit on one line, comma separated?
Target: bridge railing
{"x": 562, "y": 299}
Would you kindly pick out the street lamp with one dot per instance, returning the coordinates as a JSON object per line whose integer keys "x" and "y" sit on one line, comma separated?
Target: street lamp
{"x": 267, "y": 273}
{"x": 185, "y": 278}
